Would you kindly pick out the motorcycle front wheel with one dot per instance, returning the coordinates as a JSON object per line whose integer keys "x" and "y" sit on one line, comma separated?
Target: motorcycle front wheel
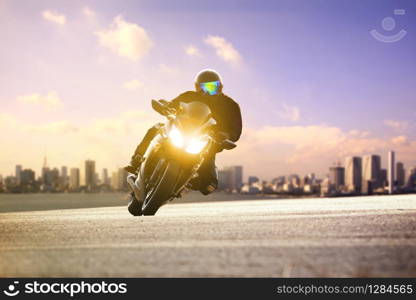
{"x": 134, "y": 206}
{"x": 162, "y": 187}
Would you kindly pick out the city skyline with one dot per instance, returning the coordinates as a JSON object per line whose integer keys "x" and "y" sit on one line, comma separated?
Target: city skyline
{"x": 313, "y": 83}
{"x": 359, "y": 175}
{"x": 383, "y": 165}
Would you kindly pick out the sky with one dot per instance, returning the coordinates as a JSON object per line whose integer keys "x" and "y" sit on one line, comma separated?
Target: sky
{"x": 313, "y": 83}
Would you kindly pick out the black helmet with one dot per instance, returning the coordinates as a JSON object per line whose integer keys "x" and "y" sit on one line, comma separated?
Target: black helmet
{"x": 209, "y": 81}
{"x": 207, "y": 75}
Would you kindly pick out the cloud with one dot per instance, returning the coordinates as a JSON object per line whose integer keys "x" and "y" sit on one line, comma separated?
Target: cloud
{"x": 396, "y": 125}
{"x": 224, "y": 49}
{"x": 358, "y": 133}
{"x": 267, "y": 152}
{"x": 54, "y": 17}
{"x": 400, "y": 140}
{"x": 132, "y": 84}
{"x": 192, "y": 51}
{"x": 168, "y": 69}
{"x": 110, "y": 141}
{"x": 50, "y": 100}
{"x": 282, "y": 150}
{"x": 7, "y": 120}
{"x": 61, "y": 127}
{"x": 290, "y": 113}
{"x": 88, "y": 12}
{"x": 127, "y": 40}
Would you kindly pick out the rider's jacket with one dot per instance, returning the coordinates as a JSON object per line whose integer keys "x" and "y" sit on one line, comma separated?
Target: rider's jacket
{"x": 224, "y": 110}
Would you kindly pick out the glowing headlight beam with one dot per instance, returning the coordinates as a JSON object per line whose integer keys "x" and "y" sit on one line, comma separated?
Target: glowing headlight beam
{"x": 176, "y": 137}
{"x": 196, "y": 145}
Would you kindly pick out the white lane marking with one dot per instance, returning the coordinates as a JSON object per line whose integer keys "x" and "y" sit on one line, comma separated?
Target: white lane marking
{"x": 248, "y": 215}
{"x": 303, "y": 204}
{"x": 255, "y": 243}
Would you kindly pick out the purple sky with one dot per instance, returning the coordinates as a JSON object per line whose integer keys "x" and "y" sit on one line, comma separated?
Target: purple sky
{"x": 313, "y": 84}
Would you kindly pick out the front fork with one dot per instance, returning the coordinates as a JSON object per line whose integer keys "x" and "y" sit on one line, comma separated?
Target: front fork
{"x": 161, "y": 144}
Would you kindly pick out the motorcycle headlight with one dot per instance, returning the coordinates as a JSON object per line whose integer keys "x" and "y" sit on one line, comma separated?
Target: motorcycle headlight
{"x": 176, "y": 137}
{"x": 196, "y": 145}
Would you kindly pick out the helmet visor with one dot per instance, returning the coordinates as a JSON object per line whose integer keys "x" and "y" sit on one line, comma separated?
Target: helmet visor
{"x": 210, "y": 88}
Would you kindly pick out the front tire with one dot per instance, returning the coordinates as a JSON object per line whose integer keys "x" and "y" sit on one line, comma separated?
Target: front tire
{"x": 163, "y": 190}
{"x": 134, "y": 206}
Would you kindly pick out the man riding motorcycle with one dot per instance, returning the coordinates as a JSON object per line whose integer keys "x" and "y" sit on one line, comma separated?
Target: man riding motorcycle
{"x": 225, "y": 111}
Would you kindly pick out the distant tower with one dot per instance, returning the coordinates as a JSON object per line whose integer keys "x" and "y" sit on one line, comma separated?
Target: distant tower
{"x": 122, "y": 182}
{"x": 337, "y": 176}
{"x": 383, "y": 177}
{"x": 64, "y": 176}
{"x": 236, "y": 177}
{"x": 253, "y": 179}
{"x": 400, "y": 174}
{"x": 231, "y": 178}
{"x": 411, "y": 182}
{"x": 114, "y": 180}
{"x": 391, "y": 172}
{"x": 371, "y": 172}
{"x": 45, "y": 172}
{"x": 18, "y": 174}
{"x": 105, "y": 176}
{"x": 353, "y": 166}
{"x": 74, "y": 178}
{"x": 90, "y": 174}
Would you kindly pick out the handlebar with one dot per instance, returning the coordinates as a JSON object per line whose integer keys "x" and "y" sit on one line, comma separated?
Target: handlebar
{"x": 221, "y": 138}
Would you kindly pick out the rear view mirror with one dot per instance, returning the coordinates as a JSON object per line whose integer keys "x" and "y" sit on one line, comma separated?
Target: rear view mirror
{"x": 228, "y": 145}
{"x": 160, "y": 108}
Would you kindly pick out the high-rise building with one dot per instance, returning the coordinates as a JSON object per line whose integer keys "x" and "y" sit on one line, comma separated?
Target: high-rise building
{"x": 90, "y": 182}
{"x": 294, "y": 179}
{"x": 279, "y": 181}
{"x": 46, "y": 176}
{"x": 64, "y": 176}
{"x": 74, "y": 179}
{"x": 223, "y": 180}
{"x": 45, "y": 173}
{"x": 114, "y": 181}
{"x": 336, "y": 176}
{"x": 119, "y": 180}
{"x": 383, "y": 177}
{"x": 27, "y": 181}
{"x": 236, "y": 177}
{"x": 53, "y": 177}
{"x": 1, "y": 184}
{"x": 18, "y": 174}
{"x": 230, "y": 178}
{"x": 312, "y": 178}
{"x": 371, "y": 178}
{"x": 400, "y": 174}
{"x": 411, "y": 182}
{"x": 327, "y": 188}
{"x": 122, "y": 179}
{"x": 105, "y": 178}
{"x": 27, "y": 177}
{"x": 353, "y": 167}
{"x": 391, "y": 172}
{"x": 252, "y": 179}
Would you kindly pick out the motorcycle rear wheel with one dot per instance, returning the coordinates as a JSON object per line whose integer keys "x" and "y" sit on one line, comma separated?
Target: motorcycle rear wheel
{"x": 163, "y": 188}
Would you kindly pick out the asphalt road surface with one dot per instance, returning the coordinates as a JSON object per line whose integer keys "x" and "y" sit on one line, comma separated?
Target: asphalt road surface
{"x": 343, "y": 237}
